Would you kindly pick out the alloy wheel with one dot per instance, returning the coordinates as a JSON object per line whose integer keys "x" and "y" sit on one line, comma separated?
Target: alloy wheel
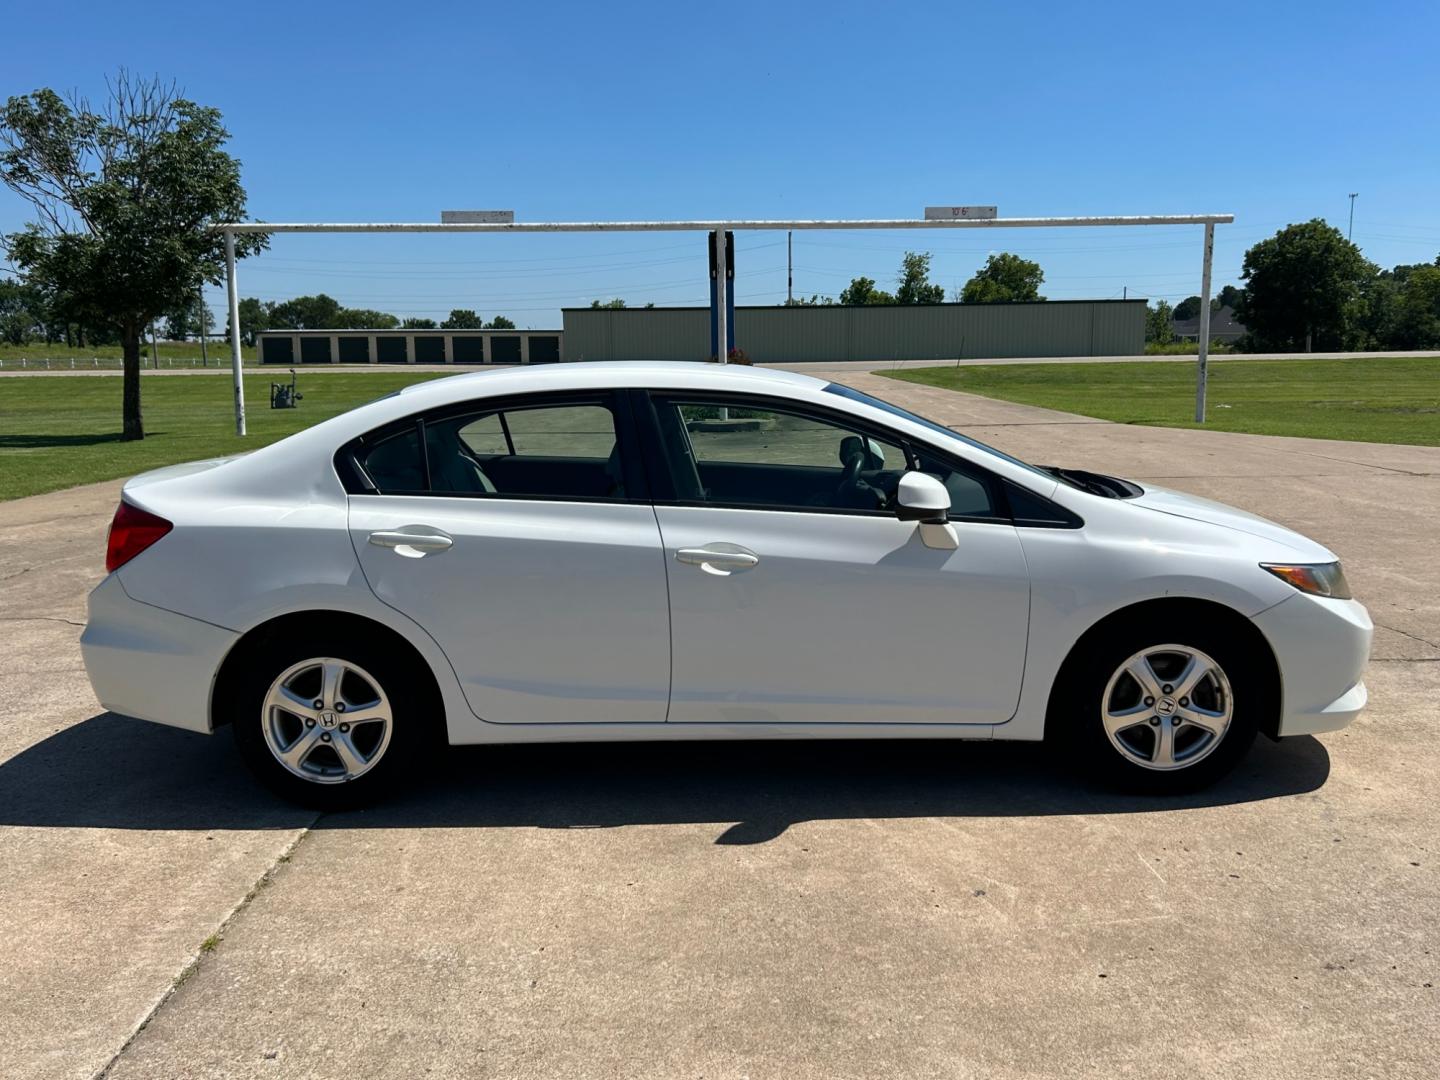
{"x": 326, "y": 720}
{"x": 1167, "y": 707}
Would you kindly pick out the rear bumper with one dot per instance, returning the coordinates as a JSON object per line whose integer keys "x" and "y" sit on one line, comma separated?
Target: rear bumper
{"x": 1322, "y": 647}
{"x": 150, "y": 663}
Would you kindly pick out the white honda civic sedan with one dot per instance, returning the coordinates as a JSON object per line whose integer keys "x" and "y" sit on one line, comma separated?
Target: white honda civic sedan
{"x": 686, "y": 551}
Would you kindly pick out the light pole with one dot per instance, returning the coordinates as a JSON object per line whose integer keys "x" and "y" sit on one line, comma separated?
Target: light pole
{"x": 1351, "y": 231}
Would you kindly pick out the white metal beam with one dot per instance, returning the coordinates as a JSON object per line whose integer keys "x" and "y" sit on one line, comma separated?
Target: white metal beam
{"x": 721, "y": 226}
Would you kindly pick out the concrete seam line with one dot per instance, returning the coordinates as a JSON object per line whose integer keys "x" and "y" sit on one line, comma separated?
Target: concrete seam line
{"x": 193, "y": 964}
{"x": 1406, "y": 633}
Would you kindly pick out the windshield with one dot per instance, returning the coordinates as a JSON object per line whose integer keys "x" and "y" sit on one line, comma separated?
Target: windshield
{"x": 895, "y": 410}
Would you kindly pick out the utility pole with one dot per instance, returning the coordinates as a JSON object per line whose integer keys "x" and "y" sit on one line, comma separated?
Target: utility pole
{"x": 1351, "y": 231}
{"x": 204, "y": 326}
{"x": 789, "y": 269}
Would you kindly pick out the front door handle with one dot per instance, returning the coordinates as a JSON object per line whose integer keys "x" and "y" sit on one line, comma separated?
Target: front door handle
{"x": 413, "y": 541}
{"x": 721, "y": 561}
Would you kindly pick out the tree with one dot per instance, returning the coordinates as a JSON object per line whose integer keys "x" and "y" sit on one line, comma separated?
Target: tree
{"x": 254, "y": 317}
{"x": 816, "y": 300}
{"x": 1159, "y": 326}
{"x": 1004, "y": 277}
{"x": 1303, "y": 287}
{"x": 319, "y": 312}
{"x": 613, "y": 305}
{"x": 1229, "y": 296}
{"x": 1188, "y": 309}
{"x": 367, "y": 319}
{"x": 500, "y": 322}
{"x": 862, "y": 291}
{"x": 184, "y": 322}
{"x": 22, "y": 312}
{"x": 127, "y": 196}
{"x": 913, "y": 284}
{"x": 1416, "y": 322}
{"x": 418, "y": 324}
{"x": 463, "y": 319}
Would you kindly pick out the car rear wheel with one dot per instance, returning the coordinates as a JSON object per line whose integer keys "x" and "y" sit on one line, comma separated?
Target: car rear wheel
{"x": 1165, "y": 707}
{"x": 329, "y": 724}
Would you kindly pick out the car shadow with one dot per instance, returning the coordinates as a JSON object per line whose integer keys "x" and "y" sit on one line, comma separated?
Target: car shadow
{"x": 115, "y": 773}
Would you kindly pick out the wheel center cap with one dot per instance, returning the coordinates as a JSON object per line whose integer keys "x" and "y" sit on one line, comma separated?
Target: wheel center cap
{"x": 327, "y": 719}
{"x": 1166, "y": 707}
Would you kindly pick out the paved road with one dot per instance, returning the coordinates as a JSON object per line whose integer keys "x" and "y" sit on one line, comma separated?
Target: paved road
{"x": 809, "y": 911}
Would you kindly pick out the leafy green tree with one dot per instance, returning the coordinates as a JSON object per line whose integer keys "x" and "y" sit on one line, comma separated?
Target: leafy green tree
{"x": 1416, "y": 320}
{"x": 500, "y": 322}
{"x": 1004, "y": 277}
{"x": 862, "y": 292}
{"x": 1159, "y": 324}
{"x": 254, "y": 318}
{"x": 21, "y": 312}
{"x": 1304, "y": 287}
{"x": 127, "y": 196}
{"x": 913, "y": 285}
{"x": 463, "y": 319}
{"x": 184, "y": 322}
{"x": 1229, "y": 296}
{"x": 319, "y": 312}
{"x": 367, "y": 319}
{"x": 816, "y": 300}
{"x": 1187, "y": 309}
{"x": 418, "y": 324}
{"x": 613, "y": 305}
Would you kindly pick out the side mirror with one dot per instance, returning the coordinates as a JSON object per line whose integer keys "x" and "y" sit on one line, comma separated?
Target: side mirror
{"x": 922, "y": 498}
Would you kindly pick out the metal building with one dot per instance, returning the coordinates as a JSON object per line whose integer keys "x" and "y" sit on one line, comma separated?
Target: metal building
{"x": 873, "y": 334}
{"x": 409, "y": 346}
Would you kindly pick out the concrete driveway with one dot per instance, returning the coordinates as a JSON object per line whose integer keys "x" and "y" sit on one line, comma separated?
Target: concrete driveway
{"x": 788, "y": 911}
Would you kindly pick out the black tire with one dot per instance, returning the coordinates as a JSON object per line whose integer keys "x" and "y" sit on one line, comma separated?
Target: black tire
{"x": 1075, "y": 719}
{"x": 416, "y": 725}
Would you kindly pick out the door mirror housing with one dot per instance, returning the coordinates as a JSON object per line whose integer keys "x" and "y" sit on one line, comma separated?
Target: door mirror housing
{"x": 922, "y": 498}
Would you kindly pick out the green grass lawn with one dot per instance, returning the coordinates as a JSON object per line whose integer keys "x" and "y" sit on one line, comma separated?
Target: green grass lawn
{"x": 59, "y": 432}
{"x": 172, "y": 353}
{"x": 1388, "y": 400}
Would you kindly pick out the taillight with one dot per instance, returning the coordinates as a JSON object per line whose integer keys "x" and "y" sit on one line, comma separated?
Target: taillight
{"x": 132, "y": 531}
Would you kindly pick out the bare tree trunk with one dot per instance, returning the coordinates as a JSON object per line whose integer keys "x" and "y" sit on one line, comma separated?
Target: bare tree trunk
{"x": 130, "y": 349}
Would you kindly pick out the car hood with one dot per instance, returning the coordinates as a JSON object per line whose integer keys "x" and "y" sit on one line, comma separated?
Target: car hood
{"x": 1193, "y": 508}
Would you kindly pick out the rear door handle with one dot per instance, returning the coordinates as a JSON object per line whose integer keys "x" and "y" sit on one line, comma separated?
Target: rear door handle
{"x": 413, "y": 541}
{"x": 717, "y": 560}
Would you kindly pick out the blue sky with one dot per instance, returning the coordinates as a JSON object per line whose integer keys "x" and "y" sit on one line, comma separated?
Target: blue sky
{"x": 561, "y": 111}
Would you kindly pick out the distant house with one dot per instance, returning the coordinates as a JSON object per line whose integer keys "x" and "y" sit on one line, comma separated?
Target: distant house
{"x": 1223, "y": 327}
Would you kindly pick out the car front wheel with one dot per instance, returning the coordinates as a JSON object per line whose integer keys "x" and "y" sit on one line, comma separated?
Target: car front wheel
{"x": 1166, "y": 708}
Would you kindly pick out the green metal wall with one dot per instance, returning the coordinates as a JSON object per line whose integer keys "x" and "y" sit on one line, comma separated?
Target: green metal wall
{"x": 878, "y": 334}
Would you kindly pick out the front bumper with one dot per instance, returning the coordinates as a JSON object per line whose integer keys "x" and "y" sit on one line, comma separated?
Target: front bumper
{"x": 149, "y": 663}
{"x": 1322, "y": 646}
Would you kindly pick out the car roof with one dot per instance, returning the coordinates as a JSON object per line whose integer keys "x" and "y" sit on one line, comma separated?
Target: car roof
{"x": 610, "y": 374}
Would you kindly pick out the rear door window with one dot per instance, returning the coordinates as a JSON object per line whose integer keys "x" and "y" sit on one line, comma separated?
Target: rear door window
{"x": 568, "y": 450}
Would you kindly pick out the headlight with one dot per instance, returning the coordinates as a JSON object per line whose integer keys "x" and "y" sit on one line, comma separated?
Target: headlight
{"x": 1317, "y": 579}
